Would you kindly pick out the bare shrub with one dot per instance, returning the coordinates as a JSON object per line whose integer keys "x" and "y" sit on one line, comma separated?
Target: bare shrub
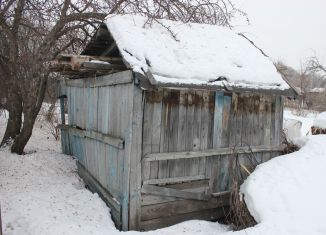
{"x": 239, "y": 216}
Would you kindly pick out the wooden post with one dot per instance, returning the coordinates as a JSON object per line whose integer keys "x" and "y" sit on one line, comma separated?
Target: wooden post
{"x": 135, "y": 159}
{"x": 132, "y": 161}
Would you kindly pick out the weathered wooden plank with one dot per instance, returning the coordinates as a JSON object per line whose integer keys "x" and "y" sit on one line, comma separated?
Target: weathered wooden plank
{"x": 210, "y": 152}
{"x": 156, "y": 135}
{"x": 102, "y": 66}
{"x": 181, "y": 207}
{"x": 106, "y": 80}
{"x": 92, "y": 108}
{"x": 147, "y": 137}
{"x": 204, "y": 131}
{"x": 196, "y": 130}
{"x": 213, "y": 87}
{"x": 127, "y": 118}
{"x": 193, "y": 186}
{"x": 209, "y": 214}
{"x": 148, "y": 199}
{"x": 170, "y": 192}
{"x": 134, "y": 153}
{"x": 188, "y": 164}
{"x": 174, "y": 98}
{"x": 267, "y": 124}
{"x": 223, "y": 163}
{"x": 163, "y": 171}
{"x": 174, "y": 180}
{"x": 113, "y": 141}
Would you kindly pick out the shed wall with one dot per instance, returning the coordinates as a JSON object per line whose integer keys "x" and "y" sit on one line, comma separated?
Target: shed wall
{"x": 99, "y": 120}
{"x": 198, "y": 120}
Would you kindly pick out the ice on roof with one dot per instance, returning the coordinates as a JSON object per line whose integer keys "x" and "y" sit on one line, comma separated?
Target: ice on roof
{"x": 199, "y": 54}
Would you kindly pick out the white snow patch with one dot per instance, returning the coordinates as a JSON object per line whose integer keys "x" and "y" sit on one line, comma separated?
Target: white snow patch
{"x": 174, "y": 52}
{"x": 304, "y": 116}
{"x": 287, "y": 193}
{"x": 320, "y": 120}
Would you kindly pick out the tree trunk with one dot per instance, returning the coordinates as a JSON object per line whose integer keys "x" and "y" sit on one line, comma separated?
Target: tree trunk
{"x": 14, "y": 123}
{"x": 24, "y": 135}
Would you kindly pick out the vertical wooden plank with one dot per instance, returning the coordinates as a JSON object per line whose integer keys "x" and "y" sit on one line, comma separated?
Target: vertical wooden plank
{"x": 163, "y": 170}
{"x": 214, "y": 162}
{"x": 267, "y": 124}
{"x": 223, "y": 163}
{"x": 83, "y": 107}
{"x": 181, "y": 132}
{"x": 134, "y": 163}
{"x": 188, "y": 167}
{"x": 106, "y": 103}
{"x": 147, "y": 135}
{"x": 277, "y": 138}
{"x": 102, "y": 165}
{"x": 174, "y": 100}
{"x": 204, "y": 131}
{"x": 156, "y": 136}
{"x": 218, "y": 119}
{"x": 261, "y": 127}
{"x": 273, "y": 123}
{"x": 198, "y": 104}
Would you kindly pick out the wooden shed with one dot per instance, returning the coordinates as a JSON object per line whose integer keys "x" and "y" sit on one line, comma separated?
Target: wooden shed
{"x": 156, "y": 109}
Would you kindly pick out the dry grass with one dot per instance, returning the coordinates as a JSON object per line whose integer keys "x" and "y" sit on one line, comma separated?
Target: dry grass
{"x": 290, "y": 147}
{"x": 239, "y": 216}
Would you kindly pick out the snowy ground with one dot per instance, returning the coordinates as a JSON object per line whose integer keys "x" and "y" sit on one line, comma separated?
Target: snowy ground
{"x": 40, "y": 193}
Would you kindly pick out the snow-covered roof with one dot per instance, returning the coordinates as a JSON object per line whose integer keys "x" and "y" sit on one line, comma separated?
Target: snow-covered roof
{"x": 192, "y": 54}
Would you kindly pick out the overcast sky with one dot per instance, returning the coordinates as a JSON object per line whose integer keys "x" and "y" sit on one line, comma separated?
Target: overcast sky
{"x": 287, "y": 30}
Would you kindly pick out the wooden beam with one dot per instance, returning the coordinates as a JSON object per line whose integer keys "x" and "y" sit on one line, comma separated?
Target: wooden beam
{"x": 105, "y": 80}
{"x": 210, "y": 152}
{"x": 219, "y": 194}
{"x": 161, "y": 222}
{"x": 101, "y": 66}
{"x": 170, "y": 192}
{"x": 132, "y": 161}
{"x": 174, "y": 180}
{"x": 68, "y": 57}
{"x": 110, "y": 140}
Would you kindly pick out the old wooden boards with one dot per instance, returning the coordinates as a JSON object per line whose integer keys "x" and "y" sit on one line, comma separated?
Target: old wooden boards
{"x": 162, "y": 156}
{"x": 101, "y": 133}
{"x": 188, "y": 138}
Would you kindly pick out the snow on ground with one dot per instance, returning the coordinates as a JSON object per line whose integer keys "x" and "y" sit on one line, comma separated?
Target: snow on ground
{"x": 320, "y": 120}
{"x": 306, "y": 117}
{"x": 41, "y": 193}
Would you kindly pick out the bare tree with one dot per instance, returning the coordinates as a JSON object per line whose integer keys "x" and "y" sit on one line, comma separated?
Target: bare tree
{"x": 33, "y": 32}
{"x": 316, "y": 66}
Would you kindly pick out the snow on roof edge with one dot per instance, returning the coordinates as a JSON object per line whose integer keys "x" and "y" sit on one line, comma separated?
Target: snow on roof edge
{"x": 138, "y": 59}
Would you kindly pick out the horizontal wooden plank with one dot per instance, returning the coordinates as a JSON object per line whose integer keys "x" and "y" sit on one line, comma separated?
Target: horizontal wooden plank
{"x": 175, "y": 180}
{"x": 110, "y": 140}
{"x": 210, "y": 215}
{"x": 148, "y": 199}
{"x": 192, "y": 186}
{"x": 225, "y": 88}
{"x": 168, "y": 209}
{"x": 210, "y": 152}
{"x": 170, "y": 192}
{"x": 106, "y": 80}
{"x": 102, "y": 66}
{"x": 219, "y": 194}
